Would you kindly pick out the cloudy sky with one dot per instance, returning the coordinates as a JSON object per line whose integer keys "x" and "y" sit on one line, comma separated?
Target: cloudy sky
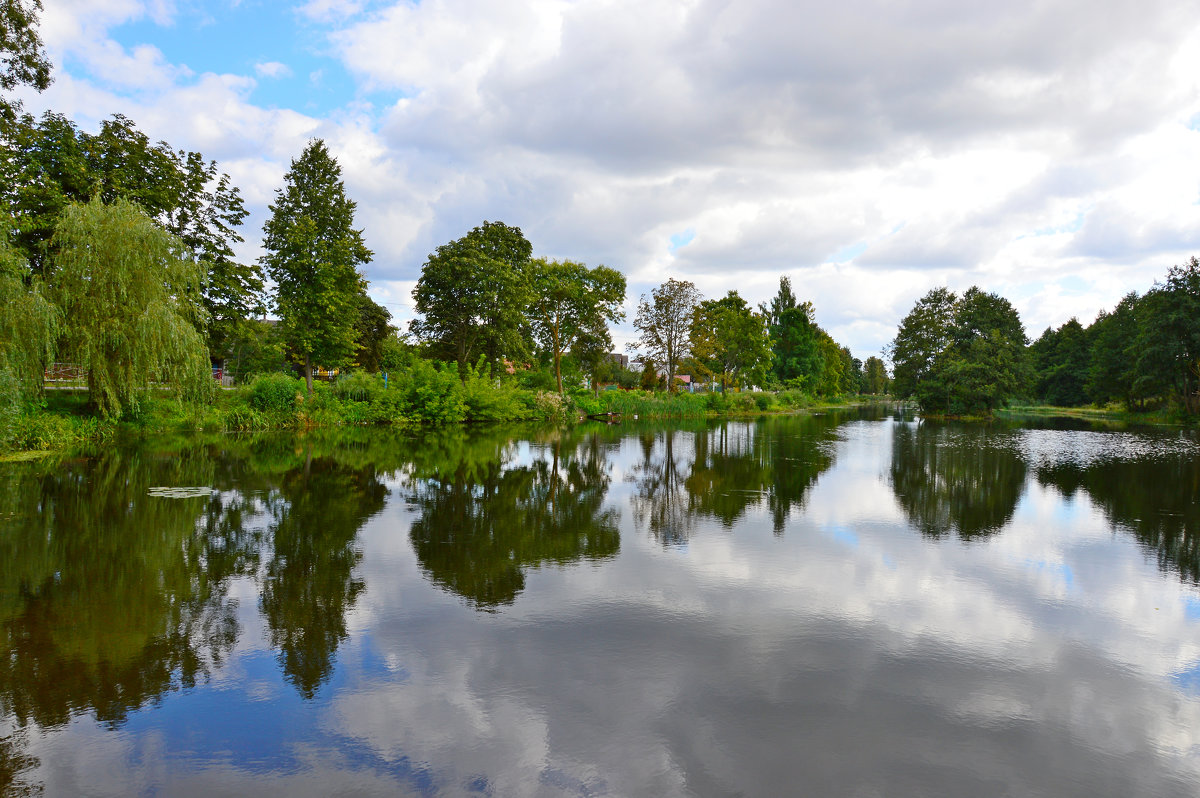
{"x": 1047, "y": 150}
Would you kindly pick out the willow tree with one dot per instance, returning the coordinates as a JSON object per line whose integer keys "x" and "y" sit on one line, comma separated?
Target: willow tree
{"x": 28, "y": 329}
{"x": 131, "y": 303}
{"x": 313, "y": 254}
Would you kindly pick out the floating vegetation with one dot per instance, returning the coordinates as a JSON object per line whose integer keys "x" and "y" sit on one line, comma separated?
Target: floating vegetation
{"x": 181, "y": 493}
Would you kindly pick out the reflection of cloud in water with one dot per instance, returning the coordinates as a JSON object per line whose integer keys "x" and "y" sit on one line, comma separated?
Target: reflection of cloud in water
{"x": 1024, "y": 636}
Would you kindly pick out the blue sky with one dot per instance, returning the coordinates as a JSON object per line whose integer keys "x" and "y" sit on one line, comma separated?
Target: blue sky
{"x": 869, "y": 151}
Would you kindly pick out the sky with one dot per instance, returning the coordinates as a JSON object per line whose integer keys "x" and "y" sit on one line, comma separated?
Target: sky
{"x": 870, "y": 150}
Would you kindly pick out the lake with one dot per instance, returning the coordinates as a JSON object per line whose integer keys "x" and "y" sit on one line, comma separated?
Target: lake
{"x": 858, "y": 603}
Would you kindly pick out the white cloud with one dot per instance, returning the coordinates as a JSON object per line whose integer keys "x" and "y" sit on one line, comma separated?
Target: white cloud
{"x": 273, "y": 69}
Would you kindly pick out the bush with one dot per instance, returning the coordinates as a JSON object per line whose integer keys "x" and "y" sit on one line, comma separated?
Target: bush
{"x": 275, "y": 393}
{"x": 486, "y": 400}
{"x": 358, "y": 386}
{"x": 550, "y": 406}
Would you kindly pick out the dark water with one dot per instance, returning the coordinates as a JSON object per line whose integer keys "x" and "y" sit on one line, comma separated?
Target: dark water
{"x": 848, "y": 604}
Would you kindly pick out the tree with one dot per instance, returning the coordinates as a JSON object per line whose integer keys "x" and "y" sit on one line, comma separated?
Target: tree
{"x": 572, "y": 308}
{"x": 730, "y": 339}
{"x": 1112, "y": 374}
{"x": 923, "y": 335}
{"x": 29, "y": 326}
{"x": 665, "y": 324}
{"x": 313, "y": 253}
{"x": 1168, "y": 341}
{"x": 371, "y": 331}
{"x": 129, "y": 294}
{"x": 875, "y": 376}
{"x": 1061, "y": 360}
{"x": 21, "y": 52}
{"x": 960, "y": 355}
{"x": 472, "y": 296}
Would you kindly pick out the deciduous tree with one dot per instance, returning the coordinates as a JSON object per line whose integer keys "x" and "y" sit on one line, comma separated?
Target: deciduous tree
{"x": 572, "y": 308}
{"x": 312, "y": 253}
{"x": 730, "y": 339}
{"x": 472, "y": 296}
{"x": 664, "y": 323}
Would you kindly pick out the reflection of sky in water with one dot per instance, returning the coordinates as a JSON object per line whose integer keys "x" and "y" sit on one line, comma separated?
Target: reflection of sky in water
{"x": 848, "y": 655}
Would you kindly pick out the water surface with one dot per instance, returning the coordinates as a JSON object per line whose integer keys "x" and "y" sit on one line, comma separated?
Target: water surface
{"x": 844, "y": 604}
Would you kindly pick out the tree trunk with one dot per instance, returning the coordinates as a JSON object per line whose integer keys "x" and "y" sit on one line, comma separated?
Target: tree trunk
{"x": 308, "y": 371}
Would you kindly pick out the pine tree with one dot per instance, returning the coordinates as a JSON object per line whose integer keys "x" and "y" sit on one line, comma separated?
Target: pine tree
{"x": 313, "y": 254}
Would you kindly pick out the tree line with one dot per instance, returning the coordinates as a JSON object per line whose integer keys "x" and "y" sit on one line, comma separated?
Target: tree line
{"x": 969, "y": 354}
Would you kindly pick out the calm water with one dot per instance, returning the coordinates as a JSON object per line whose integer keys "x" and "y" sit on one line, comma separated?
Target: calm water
{"x": 853, "y": 604}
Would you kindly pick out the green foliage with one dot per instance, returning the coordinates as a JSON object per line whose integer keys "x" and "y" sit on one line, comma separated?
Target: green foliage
{"x": 274, "y": 393}
{"x": 572, "y": 307}
{"x": 472, "y": 296}
{"x": 1061, "y": 360}
{"x": 358, "y": 386}
{"x": 29, "y": 327}
{"x": 875, "y": 377}
{"x": 255, "y": 347}
{"x": 53, "y": 164}
{"x": 486, "y": 399}
{"x": 130, "y": 298}
{"x": 664, "y": 324}
{"x": 371, "y": 331}
{"x": 1112, "y": 373}
{"x": 21, "y": 50}
{"x": 313, "y": 253}
{"x": 1168, "y": 341}
{"x": 960, "y": 355}
{"x": 731, "y": 340}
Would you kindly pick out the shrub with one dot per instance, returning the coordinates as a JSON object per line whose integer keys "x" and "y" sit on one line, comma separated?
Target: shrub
{"x": 358, "y": 386}
{"x": 275, "y": 393}
{"x": 487, "y": 400}
{"x": 550, "y": 406}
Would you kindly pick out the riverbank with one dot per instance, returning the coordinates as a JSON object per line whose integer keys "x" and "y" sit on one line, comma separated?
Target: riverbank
{"x": 434, "y": 398}
{"x": 1107, "y": 415}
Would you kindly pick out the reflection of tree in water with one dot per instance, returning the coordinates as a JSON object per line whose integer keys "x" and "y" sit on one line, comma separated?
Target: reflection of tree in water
{"x": 1156, "y": 499}
{"x": 483, "y": 521}
{"x": 110, "y": 596}
{"x": 735, "y": 466}
{"x": 955, "y": 479}
{"x": 309, "y": 584}
{"x": 661, "y": 501}
{"x": 13, "y": 763}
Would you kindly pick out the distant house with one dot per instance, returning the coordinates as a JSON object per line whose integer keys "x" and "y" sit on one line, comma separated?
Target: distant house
{"x": 618, "y": 359}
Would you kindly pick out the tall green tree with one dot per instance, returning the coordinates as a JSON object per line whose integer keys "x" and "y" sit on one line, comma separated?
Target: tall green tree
{"x": 730, "y": 339}
{"x": 1060, "y": 363}
{"x": 473, "y": 294}
{"x": 1168, "y": 342}
{"x": 986, "y": 363}
{"x": 572, "y": 308}
{"x": 664, "y": 323}
{"x": 313, "y": 253}
{"x": 924, "y": 334}
{"x": 875, "y": 377}
{"x": 1112, "y": 374}
{"x": 129, "y": 293}
{"x": 960, "y": 355}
